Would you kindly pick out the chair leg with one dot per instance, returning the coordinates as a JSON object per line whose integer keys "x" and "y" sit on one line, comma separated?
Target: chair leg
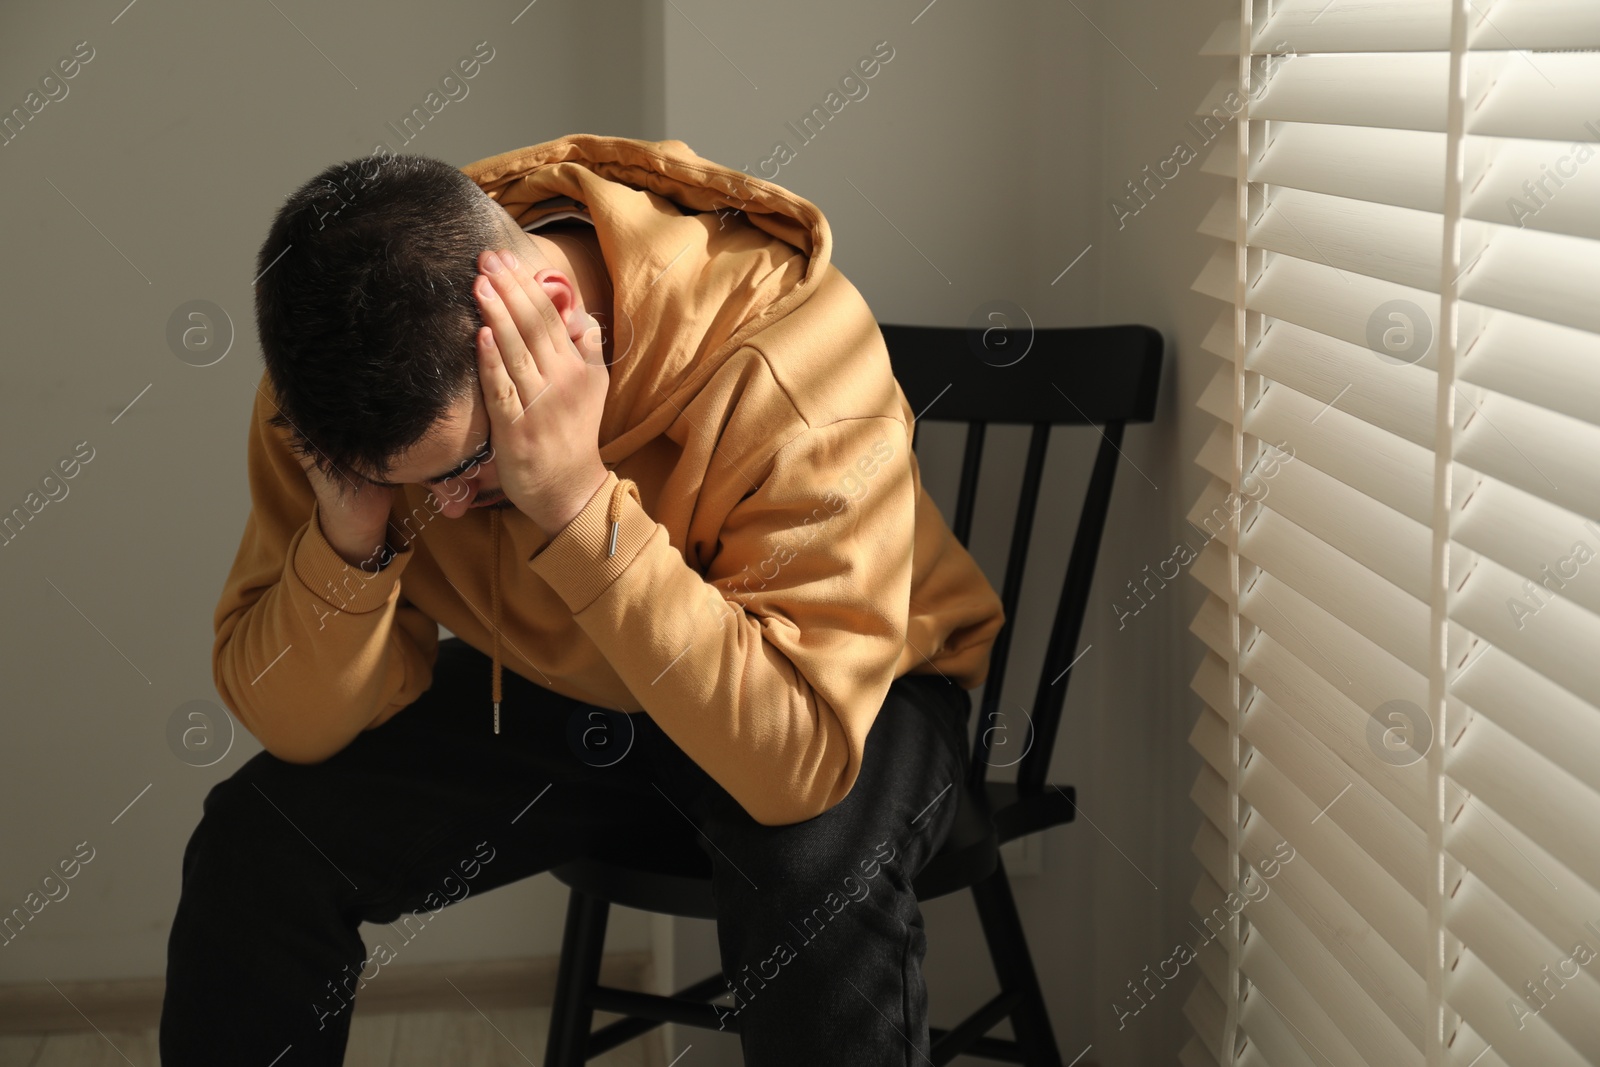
{"x": 1008, "y": 947}
{"x": 571, "y": 1015}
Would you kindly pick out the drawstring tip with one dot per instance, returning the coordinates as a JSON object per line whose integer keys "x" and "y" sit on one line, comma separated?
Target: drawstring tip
{"x": 611, "y": 548}
{"x": 496, "y": 716}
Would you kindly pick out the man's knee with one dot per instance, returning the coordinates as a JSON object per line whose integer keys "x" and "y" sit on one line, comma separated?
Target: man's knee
{"x": 245, "y": 834}
{"x": 241, "y": 800}
{"x": 229, "y": 804}
{"x": 812, "y": 876}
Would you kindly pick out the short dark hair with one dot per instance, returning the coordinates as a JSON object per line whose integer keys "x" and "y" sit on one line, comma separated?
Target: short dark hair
{"x": 364, "y": 306}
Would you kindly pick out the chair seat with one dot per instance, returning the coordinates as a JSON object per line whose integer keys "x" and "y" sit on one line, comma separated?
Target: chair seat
{"x": 665, "y": 875}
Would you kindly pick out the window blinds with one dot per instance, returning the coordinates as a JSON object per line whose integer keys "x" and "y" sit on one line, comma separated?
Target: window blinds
{"x": 1402, "y": 539}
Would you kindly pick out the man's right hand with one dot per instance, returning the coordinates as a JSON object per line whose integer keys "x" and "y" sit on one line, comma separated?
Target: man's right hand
{"x": 355, "y": 514}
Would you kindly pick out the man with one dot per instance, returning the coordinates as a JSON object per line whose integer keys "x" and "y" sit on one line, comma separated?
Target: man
{"x": 653, "y": 461}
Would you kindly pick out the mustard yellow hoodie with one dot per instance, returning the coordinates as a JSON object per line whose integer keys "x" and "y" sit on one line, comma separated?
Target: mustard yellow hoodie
{"x": 777, "y": 563}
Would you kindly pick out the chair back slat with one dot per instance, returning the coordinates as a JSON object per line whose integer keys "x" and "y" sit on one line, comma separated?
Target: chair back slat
{"x": 1062, "y": 650}
{"x": 1104, "y": 376}
{"x": 1010, "y": 593}
{"x": 967, "y": 491}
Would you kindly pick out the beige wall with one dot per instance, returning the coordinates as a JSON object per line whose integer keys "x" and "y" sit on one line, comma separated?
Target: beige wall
{"x": 977, "y": 167}
{"x": 178, "y": 140}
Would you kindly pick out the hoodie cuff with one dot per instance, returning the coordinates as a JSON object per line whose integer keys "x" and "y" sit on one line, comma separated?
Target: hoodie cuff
{"x": 326, "y": 574}
{"x": 575, "y": 562}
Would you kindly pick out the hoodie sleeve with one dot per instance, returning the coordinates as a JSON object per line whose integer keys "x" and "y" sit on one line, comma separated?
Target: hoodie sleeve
{"x": 309, "y": 651}
{"x": 769, "y": 670}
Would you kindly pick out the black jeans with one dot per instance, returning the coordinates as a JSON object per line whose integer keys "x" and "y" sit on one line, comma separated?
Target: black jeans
{"x": 820, "y": 935}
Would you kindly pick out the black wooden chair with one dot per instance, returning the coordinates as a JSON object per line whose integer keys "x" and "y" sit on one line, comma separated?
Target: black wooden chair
{"x": 1104, "y": 376}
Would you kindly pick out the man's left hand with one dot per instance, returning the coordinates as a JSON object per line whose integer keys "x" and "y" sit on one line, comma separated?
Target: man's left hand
{"x": 544, "y": 399}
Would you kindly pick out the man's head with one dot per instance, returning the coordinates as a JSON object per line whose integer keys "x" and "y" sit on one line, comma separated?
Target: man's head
{"x": 367, "y": 320}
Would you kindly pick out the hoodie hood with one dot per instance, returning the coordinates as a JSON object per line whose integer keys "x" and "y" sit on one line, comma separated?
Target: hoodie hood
{"x": 701, "y": 257}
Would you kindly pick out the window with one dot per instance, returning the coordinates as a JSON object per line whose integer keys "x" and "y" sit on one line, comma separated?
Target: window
{"x": 1401, "y": 737}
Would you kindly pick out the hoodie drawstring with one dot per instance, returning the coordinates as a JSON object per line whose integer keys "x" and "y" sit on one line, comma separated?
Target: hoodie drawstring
{"x": 613, "y": 516}
{"x": 494, "y": 599}
{"x": 614, "y": 513}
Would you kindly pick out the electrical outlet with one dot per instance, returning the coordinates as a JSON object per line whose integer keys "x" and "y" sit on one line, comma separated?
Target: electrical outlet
{"x": 1025, "y": 855}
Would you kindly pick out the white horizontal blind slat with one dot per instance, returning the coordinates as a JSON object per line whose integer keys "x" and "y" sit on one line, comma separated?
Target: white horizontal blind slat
{"x": 1552, "y": 721}
{"x": 1559, "y": 642}
{"x": 1387, "y": 468}
{"x": 1402, "y": 168}
{"x": 1355, "y": 26}
{"x": 1555, "y": 900}
{"x": 1525, "y": 270}
{"x": 1336, "y": 720}
{"x": 1396, "y": 91}
{"x": 1279, "y": 1041}
{"x": 1548, "y": 185}
{"x": 1550, "y": 366}
{"x": 1493, "y": 772}
{"x": 1395, "y": 244}
{"x": 1535, "y": 24}
{"x": 1210, "y": 681}
{"x": 1393, "y": 398}
{"x": 1210, "y": 738}
{"x": 1472, "y": 987}
{"x": 1337, "y": 615}
{"x": 1545, "y": 94}
{"x": 1518, "y": 953}
{"x": 1348, "y": 801}
{"x": 1381, "y": 902}
{"x": 1314, "y": 1037}
{"x": 1388, "y": 986}
{"x": 1375, "y": 1036}
{"x": 1210, "y": 795}
{"x": 1544, "y": 453}
{"x": 1533, "y": 539}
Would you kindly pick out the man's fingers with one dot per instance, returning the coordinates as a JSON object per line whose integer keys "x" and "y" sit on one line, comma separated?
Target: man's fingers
{"x": 530, "y": 293}
{"x": 499, "y": 391}
{"x": 536, "y": 317}
{"x": 508, "y": 336}
{"x": 507, "y": 309}
{"x": 512, "y": 372}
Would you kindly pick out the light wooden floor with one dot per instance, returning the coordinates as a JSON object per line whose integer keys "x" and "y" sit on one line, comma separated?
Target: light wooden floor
{"x": 497, "y": 1038}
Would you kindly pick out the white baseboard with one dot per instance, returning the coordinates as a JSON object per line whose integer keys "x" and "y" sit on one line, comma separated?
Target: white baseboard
{"x": 135, "y": 1003}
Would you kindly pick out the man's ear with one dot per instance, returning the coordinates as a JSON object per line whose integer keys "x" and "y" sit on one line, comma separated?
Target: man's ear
{"x": 563, "y": 296}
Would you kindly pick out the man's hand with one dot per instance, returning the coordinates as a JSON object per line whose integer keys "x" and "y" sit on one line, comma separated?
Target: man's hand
{"x": 544, "y": 399}
{"x": 355, "y": 514}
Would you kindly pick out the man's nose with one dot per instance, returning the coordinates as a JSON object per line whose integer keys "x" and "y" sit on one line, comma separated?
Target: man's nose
{"x": 454, "y": 502}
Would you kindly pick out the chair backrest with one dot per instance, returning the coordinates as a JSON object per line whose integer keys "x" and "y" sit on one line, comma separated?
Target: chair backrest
{"x": 1105, "y": 376}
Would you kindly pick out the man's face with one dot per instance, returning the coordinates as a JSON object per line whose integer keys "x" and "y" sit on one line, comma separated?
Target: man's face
{"x": 455, "y": 462}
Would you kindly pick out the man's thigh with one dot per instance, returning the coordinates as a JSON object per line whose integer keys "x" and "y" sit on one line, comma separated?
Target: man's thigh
{"x": 918, "y": 740}
{"x": 894, "y": 819}
{"x": 433, "y": 804}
